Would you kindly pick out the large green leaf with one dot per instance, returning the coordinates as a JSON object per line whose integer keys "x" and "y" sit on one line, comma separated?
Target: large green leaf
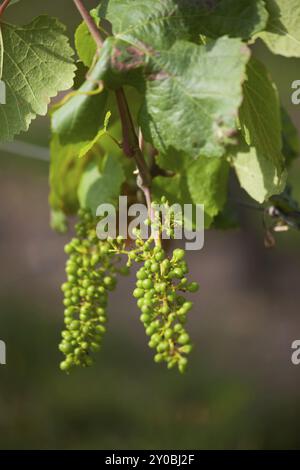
{"x": 282, "y": 34}
{"x": 163, "y": 22}
{"x": 242, "y": 18}
{"x": 101, "y": 185}
{"x": 202, "y": 181}
{"x": 157, "y": 24}
{"x": 261, "y": 128}
{"x": 207, "y": 180}
{"x": 175, "y": 189}
{"x": 37, "y": 64}
{"x": 189, "y": 105}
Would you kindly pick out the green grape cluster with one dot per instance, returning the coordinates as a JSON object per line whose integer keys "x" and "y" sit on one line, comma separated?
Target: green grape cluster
{"x": 161, "y": 281}
{"x": 91, "y": 274}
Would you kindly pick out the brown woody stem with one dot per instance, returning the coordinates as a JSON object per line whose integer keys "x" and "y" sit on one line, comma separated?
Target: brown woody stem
{"x": 130, "y": 145}
{"x": 90, "y": 23}
{"x": 3, "y": 6}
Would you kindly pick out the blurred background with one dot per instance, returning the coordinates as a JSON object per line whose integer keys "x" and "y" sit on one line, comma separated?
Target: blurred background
{"x": 241, "y": 390}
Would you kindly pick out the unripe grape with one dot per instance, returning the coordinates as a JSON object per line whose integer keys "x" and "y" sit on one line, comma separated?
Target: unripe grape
{"x": 162, "y": 346}
{"x": 64, "y": 366}
{"x": 147, "y": 283}
{"x": 168, "y": 333}
{"x": 178, "y": 254}
{"x": 158, "y": 358}
{"x": 183, "y": 338}
{"x": 178, "y": 273}
{"x": 74, "y": 325}
{"x": 154, "y": 267}
{"x": 137, "y": 293}
{"x": 144, "y": 318}
{"x": 193, "y": 287}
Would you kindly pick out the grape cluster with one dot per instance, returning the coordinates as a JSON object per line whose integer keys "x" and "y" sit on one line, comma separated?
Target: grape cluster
{"x": 91, "y": 273}
{"x": 159, "y": 287}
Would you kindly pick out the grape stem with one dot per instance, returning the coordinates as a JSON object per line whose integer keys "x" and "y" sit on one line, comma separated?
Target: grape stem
{"x": 131, "y": 141}
{"x": 90, "y": 23}
{"x": 3, "y": 6}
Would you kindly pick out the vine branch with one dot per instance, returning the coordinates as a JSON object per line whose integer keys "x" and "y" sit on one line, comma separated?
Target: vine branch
{"x": 3, "y": 6}
{"x": 90, "y": 23}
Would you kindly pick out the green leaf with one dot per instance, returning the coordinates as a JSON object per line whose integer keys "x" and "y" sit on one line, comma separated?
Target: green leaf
{"x": 261, "y": 128}
{"x": 282, "y": 34}
{"x": 227, "y": 219}
{"x": 257, "y": 175}
{"x": 89, "y": 145}
{"x": 203, "y": 181}
{"x": 242, "y": 18}
{"x": 207, "y": 180}
{"x": 37, "y": 64}
{"x": 157, "y": 24}
{"x": 166, "y": 21}
{"x": 85, "y": 45}
{"x": 290, "y": 138}
{"x": 101, "y": 185}
{"x": 65, "y": 173}
{"x": 189, "y": 105}
{"x": 76, "y": 127}
{"x": 78, "y": 121}
{"x": 175, "y": 189}
{"x": 121, "y": 64}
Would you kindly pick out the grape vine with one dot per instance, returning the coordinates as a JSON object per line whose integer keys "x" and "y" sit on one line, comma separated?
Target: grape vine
{"x": 166, "y": 101}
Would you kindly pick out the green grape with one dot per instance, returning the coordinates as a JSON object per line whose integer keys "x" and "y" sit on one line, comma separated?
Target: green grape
{"x": 161, "y": 281}
{"x": 91, "y": 274}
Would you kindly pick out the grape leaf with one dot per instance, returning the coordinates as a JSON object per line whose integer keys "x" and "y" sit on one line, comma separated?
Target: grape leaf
{"x": 201, "y": 181}
{"x": 257, "y": 175}
{"x": 175, "y": 189}
{"x": 84, "y": 42}
{"x": 227, "y": 219}
{"x": 207, "y": 180}
{"x": 37, "y": 64}
{"x": 101, "y": 133}
{"x": 261, "y": 128}
{"x": 282, "y": 34}
{"x": 76, "y": 128}
{"x": 180, "y": 79}
{"x": 78, "y": 121}
{"x": 101, "y": 185}
{"x": 290, "y": 138}
{"x": 189, "y": 105}
{"x": 234, "y": 18}
{"x": 157, "y": 24}
{"x": 166, "y": 21}
{"x": 65, "y": 173}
